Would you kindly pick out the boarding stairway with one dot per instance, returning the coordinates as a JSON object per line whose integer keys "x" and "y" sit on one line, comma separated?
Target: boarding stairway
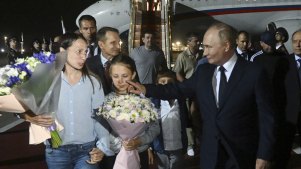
{"x": 154, "y": 17}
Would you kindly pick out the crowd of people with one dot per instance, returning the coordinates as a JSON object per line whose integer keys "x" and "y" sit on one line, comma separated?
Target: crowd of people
{"x": 235, "y": 106}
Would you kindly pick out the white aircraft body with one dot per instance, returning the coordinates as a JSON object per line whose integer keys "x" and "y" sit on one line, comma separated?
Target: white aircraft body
{"x": 252, "y": 16}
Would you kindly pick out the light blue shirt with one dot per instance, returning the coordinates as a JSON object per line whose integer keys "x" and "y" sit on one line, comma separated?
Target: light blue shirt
{"x": 75, "y": 110}
{"x": 238, "y": 51}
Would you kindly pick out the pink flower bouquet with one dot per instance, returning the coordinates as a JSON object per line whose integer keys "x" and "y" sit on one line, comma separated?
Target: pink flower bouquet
{"x": 128, "y": 115}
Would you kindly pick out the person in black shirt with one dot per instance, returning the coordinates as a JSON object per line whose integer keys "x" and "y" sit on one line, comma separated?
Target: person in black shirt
{"x": 13, "y": 50}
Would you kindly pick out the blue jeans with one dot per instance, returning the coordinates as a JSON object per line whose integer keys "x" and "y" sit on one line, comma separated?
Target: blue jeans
{"x": 71, "y": 156}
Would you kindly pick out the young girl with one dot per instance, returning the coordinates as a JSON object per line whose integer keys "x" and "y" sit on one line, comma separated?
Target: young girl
{"x": 122, "y": 70}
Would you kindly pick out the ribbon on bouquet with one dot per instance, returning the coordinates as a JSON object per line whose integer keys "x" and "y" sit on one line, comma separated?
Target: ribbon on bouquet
{"x": 38, "y": 134}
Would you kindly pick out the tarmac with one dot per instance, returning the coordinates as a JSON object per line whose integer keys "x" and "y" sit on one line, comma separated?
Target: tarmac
{"x": 16, "y": 153}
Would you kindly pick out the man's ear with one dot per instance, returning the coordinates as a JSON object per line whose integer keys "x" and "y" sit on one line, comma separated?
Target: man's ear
{"x": 227, "y": 46}
{"x": 100, "y": 44}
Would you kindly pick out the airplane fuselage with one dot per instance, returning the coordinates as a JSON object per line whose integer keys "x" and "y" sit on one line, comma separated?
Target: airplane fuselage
{"x": 252, "y": 16}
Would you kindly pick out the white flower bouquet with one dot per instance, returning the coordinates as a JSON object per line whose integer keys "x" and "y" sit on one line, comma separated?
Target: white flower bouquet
{"x": 129, "y": 116}
{"x": 131, "y": 108}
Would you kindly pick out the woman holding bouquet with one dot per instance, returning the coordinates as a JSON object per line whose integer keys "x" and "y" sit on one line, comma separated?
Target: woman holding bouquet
{"x": 80, "y": 93}
{"x": 123, "y": 69}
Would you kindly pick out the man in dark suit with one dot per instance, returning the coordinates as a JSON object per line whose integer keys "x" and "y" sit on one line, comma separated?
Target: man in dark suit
{"x": 235, "y": 102}
{"x": 88, "y": 28}
{"x": 108, "y": 41}
{"x": 242, "y": 42}
{"x": 287, "y": 93}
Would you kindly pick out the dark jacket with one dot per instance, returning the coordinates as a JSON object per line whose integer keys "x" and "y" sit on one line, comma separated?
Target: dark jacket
{"x": 94, "y": 64}
{"x": 244, "y": 123}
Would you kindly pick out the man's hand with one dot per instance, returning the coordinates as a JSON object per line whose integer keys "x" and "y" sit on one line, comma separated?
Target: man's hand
{"x": 136, "y": 88}
{"x": 41, "y": 120}
{"x": 262, "y": 164}
{"x": 96, "y": 155}
{"x": 131, "y": 144}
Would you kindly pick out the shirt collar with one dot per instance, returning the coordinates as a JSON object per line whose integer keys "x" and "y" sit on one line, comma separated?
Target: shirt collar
{"x": 238, "y": 51}
{"x": 278, "y": 46}
{"x": 103, "y": 59}
{"x": 229, "y": 65}
{"x": 66, "y": 80}
{"x": 297, "y": 57}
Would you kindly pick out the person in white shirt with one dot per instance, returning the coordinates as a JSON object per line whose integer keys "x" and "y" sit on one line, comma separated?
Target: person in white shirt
{"x": 171, "y": 142}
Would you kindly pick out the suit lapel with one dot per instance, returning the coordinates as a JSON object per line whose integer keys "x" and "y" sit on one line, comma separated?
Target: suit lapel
{"x": 99, "y": 70}
{"x": 294, "y": 68}
{"x": 234, "y": 79}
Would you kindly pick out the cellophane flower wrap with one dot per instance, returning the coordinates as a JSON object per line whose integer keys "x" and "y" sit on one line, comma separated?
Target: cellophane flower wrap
{"x": 128, "y": 115}
{"x": 34, "y": 84}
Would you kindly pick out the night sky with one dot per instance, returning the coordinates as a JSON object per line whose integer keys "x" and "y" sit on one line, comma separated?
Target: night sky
{"x": 38, "y": 18}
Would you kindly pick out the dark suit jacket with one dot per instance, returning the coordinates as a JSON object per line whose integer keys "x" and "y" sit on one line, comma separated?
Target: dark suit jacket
{"x": 244, "y": 123}
{"x": 94, "y": 64}
{"x": 283, "y": 73}
{"x": 293, "y": 91}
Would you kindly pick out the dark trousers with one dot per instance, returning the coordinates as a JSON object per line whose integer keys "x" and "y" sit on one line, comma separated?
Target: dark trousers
{"x": 108, "y": 161}
{"x": 284, "y": 141}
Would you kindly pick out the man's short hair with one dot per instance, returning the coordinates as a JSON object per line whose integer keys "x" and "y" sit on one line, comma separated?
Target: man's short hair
{"x": 36, "y": 41}
{"x": 148, "y": 32}
{"x": 86, "y": 18}
{"x": 10, "y": 39}
{"x": 299, "y": 30}
{"x": 190, "y": 35}
{"x": 226, "y": 33}
{"x": 101, "y": 34}
{"x": 244, "y": 33}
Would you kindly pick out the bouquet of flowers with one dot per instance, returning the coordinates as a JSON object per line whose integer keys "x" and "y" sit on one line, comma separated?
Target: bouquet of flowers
{"x": 15, "y": 74}
{"x": 17, "y": 79}
{"x": 128, "y": 115}
{"x": 44, "y": 57}
{"x": 21, "y": 71}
